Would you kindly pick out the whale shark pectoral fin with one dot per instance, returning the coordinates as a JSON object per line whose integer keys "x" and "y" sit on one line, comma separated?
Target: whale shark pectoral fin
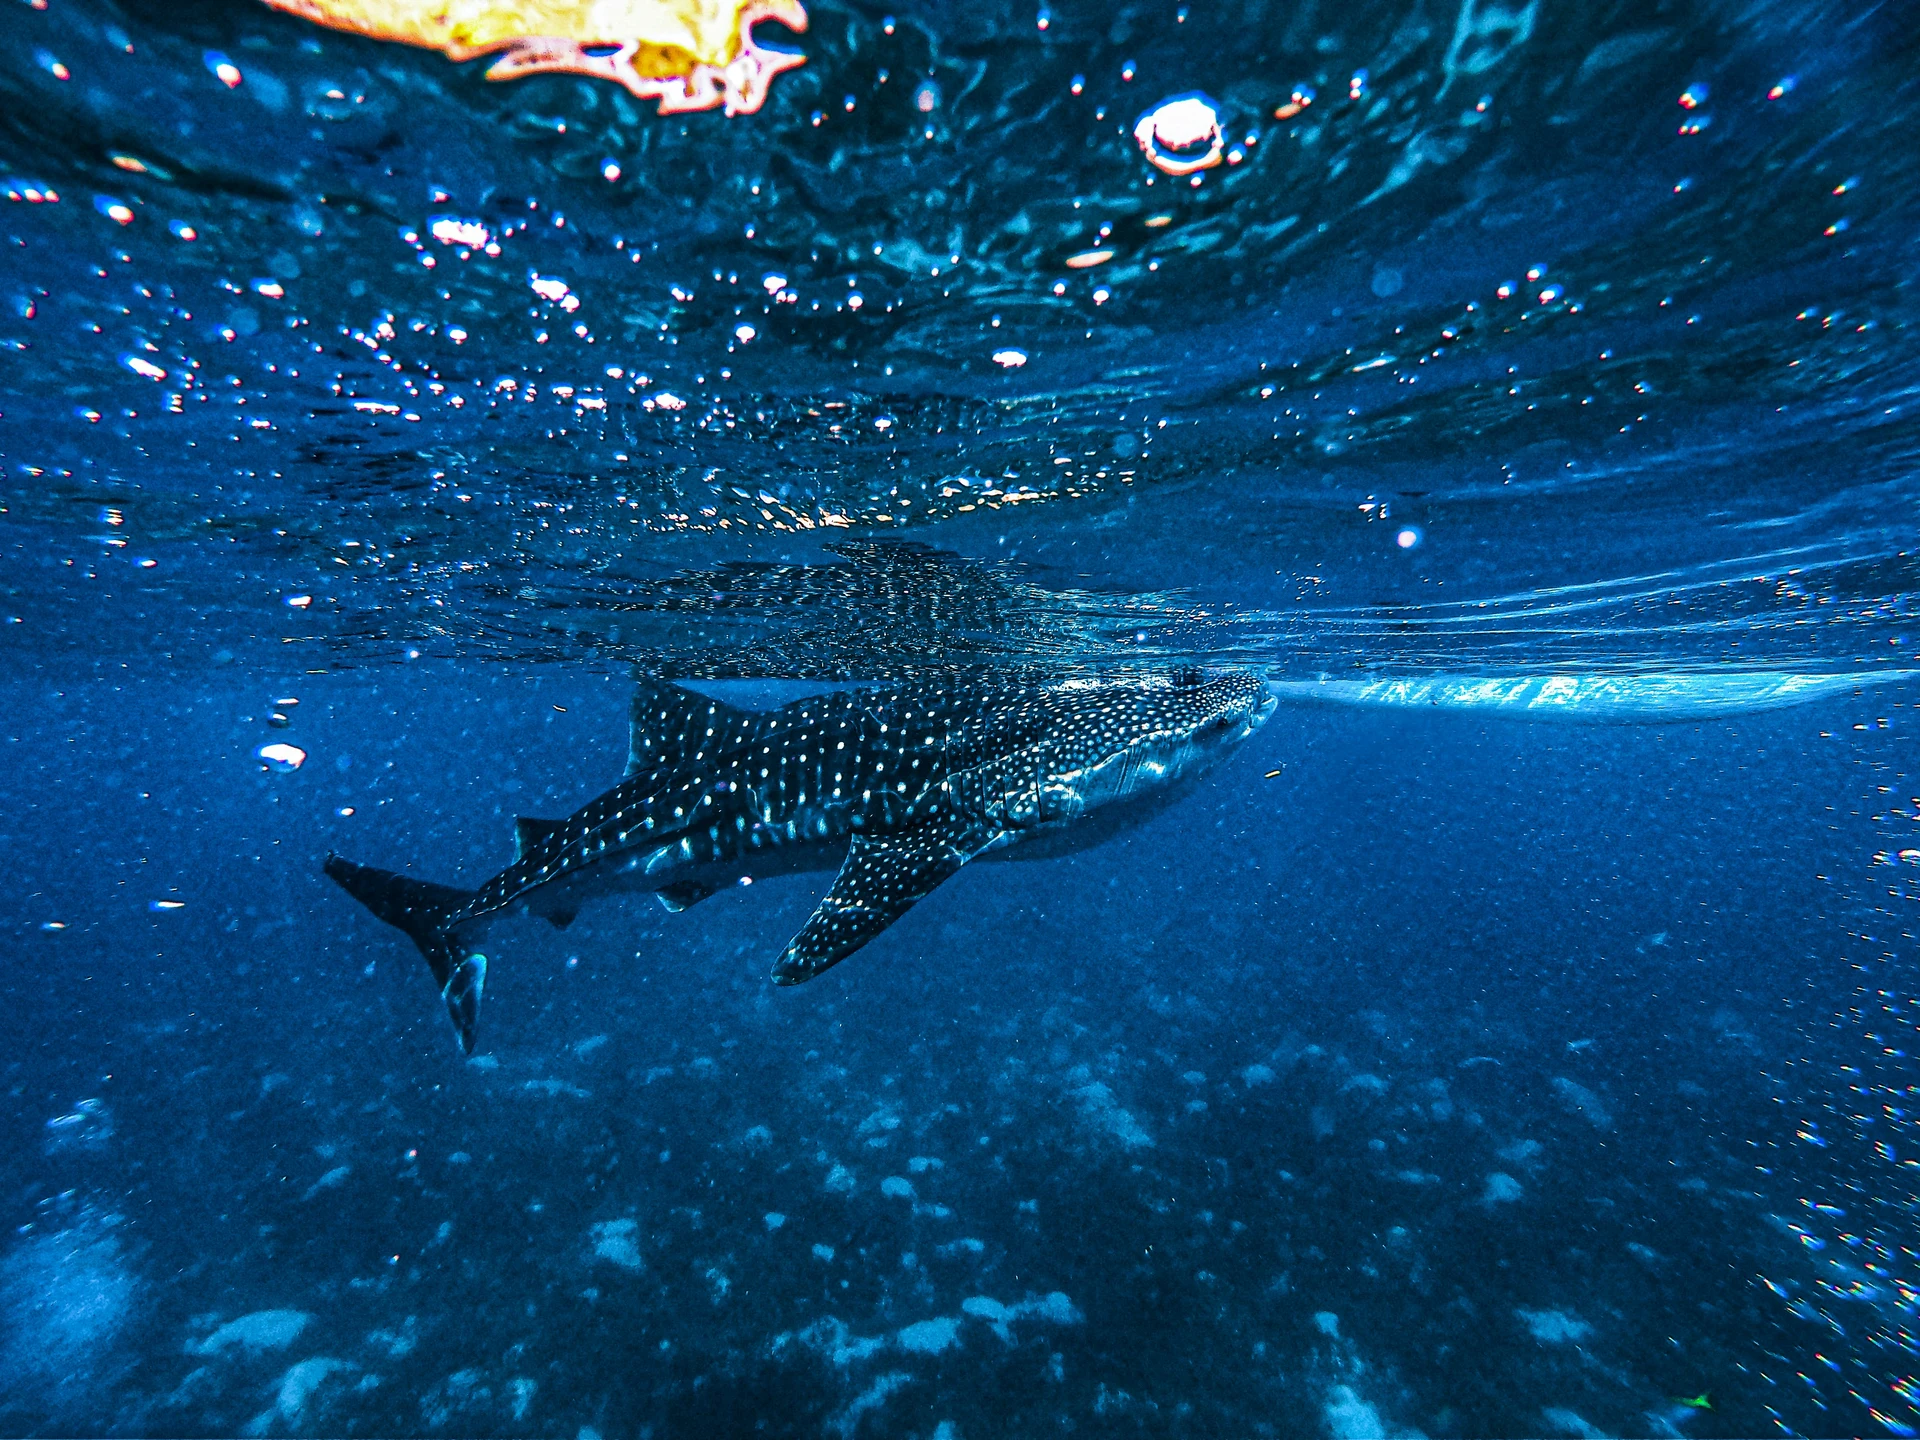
{"x": 883, "y": 877}
{"x": 529, "y": 832}
{"x": 688, "y": 892}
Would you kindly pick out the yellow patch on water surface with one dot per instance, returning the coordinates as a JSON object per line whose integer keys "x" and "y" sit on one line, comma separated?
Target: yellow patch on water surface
{"x": 687, "y": 54}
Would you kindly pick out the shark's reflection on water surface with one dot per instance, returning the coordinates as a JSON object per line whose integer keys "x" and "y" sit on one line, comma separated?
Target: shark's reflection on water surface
{"x": 897, "y": 788}
{"x": 875, "y": 611}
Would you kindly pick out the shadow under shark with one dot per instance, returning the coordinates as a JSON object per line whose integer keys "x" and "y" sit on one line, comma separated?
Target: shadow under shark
{"x": 896, "y": 788}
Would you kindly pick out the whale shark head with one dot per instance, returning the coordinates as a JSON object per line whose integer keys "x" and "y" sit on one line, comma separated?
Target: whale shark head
{"x": 1123, "y": 749}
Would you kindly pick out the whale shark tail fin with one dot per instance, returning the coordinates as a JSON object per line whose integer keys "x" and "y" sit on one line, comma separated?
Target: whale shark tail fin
{"x": 424, "y": 911}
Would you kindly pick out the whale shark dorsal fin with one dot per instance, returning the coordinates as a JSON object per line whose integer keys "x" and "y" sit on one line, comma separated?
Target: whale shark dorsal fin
{"x": 670, "y": 726}
{"x": 529, "y": 832}
{"x": 884, "y": 876}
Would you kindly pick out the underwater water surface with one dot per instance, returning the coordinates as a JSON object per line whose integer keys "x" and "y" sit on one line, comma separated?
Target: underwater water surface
{"x": 1509, "y": 1031}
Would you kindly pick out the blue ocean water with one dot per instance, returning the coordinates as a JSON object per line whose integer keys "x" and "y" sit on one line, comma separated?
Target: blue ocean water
{"x": 1514, "y": 1037}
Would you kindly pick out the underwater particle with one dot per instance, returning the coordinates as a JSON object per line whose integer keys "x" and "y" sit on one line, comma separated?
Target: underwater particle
{"x": 282, "y": 756}
{"x": 744, "y": 333}
{"x": 115, "y": 210}
{"x": 1087, "y": 259}
{"x": 609, "y": 170}
{"x": 1408, "y": 538}
{"x": 1010, "y": 359}
{"x": 88, "y": 1126}
{"x": 926, "y": 97}
{"x": 1172, "y": 134}
{"x": 145, "y": 367}
{"x": 1299, "y": 100}
{"x": 687, "y": 54}
{"x": 451, "y": 230}
{"x": 299, "y": 602}
{"x": 551, "y": 288}
{"x": 52, "y": 925}
{"x": 161, "y": 905}
{"x": 183, "y": 231}
{"x": 222, "y": 69}
{"x": 1784, "y": 87}
{"x": 1693, "y": 97}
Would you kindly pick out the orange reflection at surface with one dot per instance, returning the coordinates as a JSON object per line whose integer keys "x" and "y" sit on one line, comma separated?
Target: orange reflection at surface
{"x": 687, "y": 54}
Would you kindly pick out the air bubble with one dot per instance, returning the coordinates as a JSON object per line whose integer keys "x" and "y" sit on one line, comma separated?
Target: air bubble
{"x": 1182, "y": 134}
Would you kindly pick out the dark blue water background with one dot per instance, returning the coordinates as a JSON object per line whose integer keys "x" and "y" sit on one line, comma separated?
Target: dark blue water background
{"x": 1474, "y": 1074}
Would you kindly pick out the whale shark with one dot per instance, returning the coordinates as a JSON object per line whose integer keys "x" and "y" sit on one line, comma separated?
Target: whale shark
{"x": 896, "y": 789}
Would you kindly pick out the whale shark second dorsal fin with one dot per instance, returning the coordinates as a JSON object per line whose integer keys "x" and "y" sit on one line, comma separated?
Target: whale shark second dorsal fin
{"x": 671, "y": 726}
{"x": 529, "y": 832}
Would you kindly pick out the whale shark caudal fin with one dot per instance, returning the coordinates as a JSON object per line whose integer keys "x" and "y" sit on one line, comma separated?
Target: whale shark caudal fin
{"x": 422, "y": 909}
{"x": 883, "y": 878}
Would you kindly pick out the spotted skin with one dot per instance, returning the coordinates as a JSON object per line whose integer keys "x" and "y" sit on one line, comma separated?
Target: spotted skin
{"x": 897, "y": 788}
